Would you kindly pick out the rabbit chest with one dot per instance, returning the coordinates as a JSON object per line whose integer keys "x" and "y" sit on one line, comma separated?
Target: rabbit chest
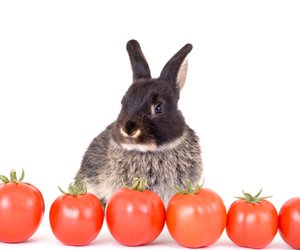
{"x": 163, "y": 169}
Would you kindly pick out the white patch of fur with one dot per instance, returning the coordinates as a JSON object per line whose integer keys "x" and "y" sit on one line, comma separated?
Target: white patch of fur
{"x": 136, "y": 134}
{"x": 123, "y": 133}
{"x": 152, "y": 147}
{"x": 152, "y": 109}
{"x": 181, "y": 76}
{"x": 139, "y": 147}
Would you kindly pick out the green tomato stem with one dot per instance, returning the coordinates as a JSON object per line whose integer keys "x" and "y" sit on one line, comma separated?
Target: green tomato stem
{"x": 4, "y": 179}
{"x": 190, "y": 188}
{"x": 252, "y": 199}
{"x": 13, "y": 177}
{"x": 22, "y": 176}
{"x": 139, "y": 184}
{"x": 79, "y": 188}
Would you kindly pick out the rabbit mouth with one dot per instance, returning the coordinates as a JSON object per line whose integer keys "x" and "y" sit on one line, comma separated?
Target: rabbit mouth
{"x": 135, "y": 134}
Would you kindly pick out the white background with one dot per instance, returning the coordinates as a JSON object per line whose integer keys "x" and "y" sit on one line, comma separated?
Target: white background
{"x": 64, "y": 69}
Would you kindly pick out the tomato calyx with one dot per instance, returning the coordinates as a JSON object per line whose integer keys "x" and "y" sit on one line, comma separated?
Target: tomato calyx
{"x": 190, "y": 188}
{"x": 252, "y": 199}
{"x": 13, "y": 177}
{"x": 138, "y": 184}
{"x": 79, "y": 188}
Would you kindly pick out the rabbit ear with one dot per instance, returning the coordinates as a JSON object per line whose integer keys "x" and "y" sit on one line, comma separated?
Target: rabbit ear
{"x": 138, "y": 61}
{"x": 176, "y": 68}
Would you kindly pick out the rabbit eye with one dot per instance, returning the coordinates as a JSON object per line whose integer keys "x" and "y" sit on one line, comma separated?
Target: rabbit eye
{"x": 158, "y": 108}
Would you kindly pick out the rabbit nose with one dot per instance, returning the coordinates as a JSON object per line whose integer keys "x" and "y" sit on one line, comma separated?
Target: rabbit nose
{"x": 130, "y": 130}
{"x": 130, "y": 127}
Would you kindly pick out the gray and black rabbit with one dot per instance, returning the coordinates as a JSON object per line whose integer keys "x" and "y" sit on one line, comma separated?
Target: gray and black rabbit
{"x": 150, "y": 138}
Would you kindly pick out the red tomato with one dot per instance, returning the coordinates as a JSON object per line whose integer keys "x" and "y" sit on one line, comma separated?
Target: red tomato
{"x": 196, "y": 218}
{"x": 135, "y": 217}
{"x": 252, "y": 222}
{"x": 76, "y": 218}
{"x": 289, "y": 222}
{"x": 21, "y": 209}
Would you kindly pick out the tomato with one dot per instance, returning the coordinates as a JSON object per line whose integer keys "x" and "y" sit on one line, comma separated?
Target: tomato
{"x": 135, "y": 216}
{"x": 289, "y": 222}
{"x": 252, "y": 221}
{"x": 76, "y": 217}
{"x": 196, "y": 217}
{"x": 21, "y": 209}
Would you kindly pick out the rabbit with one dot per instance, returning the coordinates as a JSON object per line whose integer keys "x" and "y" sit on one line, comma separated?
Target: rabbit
{"x": 149, "y": 138}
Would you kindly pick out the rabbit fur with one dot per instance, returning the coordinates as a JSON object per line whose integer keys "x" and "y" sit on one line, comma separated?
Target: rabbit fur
{"x": 149, "y": 138}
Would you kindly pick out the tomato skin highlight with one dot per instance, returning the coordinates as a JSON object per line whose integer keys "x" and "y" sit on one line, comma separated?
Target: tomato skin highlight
{"x": 135, "y": 218}
{"x": 289, "y": 222}
{"x": 21, "y": 211}
{"x": 196, "y": 220}
{"x": 76, "y": 220}
{"x": 252, "y": 225}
